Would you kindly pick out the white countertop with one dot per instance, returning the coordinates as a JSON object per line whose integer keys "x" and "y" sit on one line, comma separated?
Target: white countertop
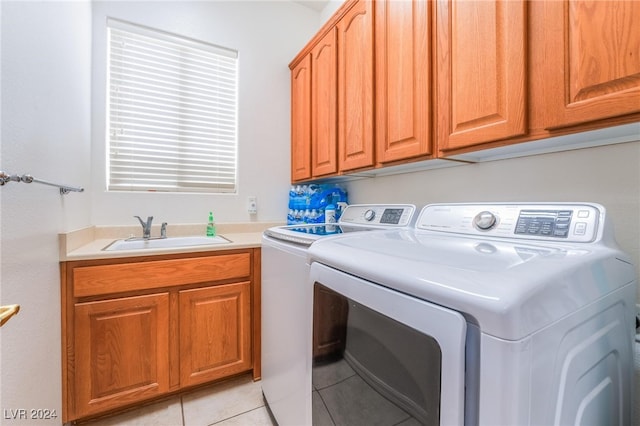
{"x": 88, "y": 243}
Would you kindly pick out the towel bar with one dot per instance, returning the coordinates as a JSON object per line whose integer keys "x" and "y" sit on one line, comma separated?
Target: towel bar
{"x": 64, "y": 189}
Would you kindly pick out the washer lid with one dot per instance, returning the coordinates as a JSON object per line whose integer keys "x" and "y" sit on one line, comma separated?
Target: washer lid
{"x": 307, "y": 234}
{"x": 511, "y": 288}
{"x": 356, "y": 217}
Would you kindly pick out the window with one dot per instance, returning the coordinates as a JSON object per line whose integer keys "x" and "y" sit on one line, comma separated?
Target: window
{"x": 172, "y": 112}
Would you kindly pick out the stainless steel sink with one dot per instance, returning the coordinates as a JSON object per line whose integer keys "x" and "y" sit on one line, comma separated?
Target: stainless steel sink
{"x": 170, "y": 242}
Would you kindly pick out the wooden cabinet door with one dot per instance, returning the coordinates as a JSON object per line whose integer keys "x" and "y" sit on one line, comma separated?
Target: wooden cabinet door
{"x": 403, "y": 79}
{"x": 215, "y": 332}
{"x": 355, "y": 87}
{"x": 121, "y": 352}
{"x": 301, "y": 120}
{"x": 324, "y": 106}
{"x": 592, "y": 66}
{"x": 330, "y": 314}
{"x": 481, "y": 66}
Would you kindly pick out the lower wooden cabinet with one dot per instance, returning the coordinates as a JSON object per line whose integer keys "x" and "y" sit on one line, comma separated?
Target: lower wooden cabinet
{"x": 122, "y": 351}
{"x": 135, "y": 329}
{"x": 215, "y": 332}
{"x": 330, "y": 314}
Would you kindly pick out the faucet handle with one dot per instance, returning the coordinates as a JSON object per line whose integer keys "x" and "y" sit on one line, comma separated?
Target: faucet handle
{"x": 143, "y": 223}
{"x": 146, "y": 227}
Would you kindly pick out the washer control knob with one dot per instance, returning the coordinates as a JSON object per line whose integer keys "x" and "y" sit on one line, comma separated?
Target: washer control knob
{"x": 369, "y": 215}
{"x": 485, "y": 220}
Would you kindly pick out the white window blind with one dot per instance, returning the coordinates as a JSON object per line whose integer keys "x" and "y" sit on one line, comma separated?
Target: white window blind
{"x": 172, "y": 112}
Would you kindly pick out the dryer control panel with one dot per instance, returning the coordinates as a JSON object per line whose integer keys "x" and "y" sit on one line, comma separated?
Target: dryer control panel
{"x": 383, "y": 215}
{"x": 569, "y": 222}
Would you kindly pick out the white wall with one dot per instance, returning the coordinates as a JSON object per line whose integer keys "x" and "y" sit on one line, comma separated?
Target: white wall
{"x": 268, "y": 35}
{"x": 330, "y": 9}
{"x": 48, "y": 61}
{"x": 45, "y": 90}
{"x": 608, "y": 175}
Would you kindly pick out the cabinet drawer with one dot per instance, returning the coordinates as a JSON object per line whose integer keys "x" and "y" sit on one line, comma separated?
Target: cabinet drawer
{"x": 106, "y": 279}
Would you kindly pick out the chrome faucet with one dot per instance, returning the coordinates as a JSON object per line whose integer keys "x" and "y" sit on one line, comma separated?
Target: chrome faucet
{"x": 146, "y": 227}
{"x": 163, "y": 230}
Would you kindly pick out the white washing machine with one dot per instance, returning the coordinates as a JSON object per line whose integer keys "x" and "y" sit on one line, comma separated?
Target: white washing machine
{"x": 286, "y": 301}
{"x": 484, "y": 314}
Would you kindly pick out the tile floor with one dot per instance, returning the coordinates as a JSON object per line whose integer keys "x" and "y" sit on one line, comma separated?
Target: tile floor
{"x": 237, "y": 402}
{"x": 342, "y": 396}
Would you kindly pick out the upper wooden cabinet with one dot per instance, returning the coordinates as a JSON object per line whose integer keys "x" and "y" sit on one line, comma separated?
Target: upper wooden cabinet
{"x": 454, "y": 79}
{"x": 324, "y": 105}
{"x": 481, "y": 71}
{"x": 361, "y": 116}
{"x": 301, "y": 120}
{"x": 355, "y": 87}
{"x": 403, "y": 79}
{"x": 314, "y": 111}
{"x": 340, "y": 104}
{"x": 592, "y": 60}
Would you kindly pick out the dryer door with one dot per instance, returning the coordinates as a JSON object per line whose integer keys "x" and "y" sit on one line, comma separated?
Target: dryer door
{"x": 382, "y": 357}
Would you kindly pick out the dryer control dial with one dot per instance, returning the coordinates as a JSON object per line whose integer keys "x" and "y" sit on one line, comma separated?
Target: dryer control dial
{"x": 485, "y": 220}
{"x": 369, "y": 215}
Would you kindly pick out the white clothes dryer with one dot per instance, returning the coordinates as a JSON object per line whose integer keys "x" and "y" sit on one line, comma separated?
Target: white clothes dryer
{"x": 484, "y": 314}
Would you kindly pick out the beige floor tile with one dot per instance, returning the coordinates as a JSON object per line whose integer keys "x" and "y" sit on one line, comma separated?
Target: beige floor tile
{"x": 257, "y": 417}
{"x": 223, "y": 401}
{"x": 164, "y": 413}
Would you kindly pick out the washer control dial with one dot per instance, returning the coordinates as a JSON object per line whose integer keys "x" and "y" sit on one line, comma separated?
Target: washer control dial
{"x": 485, "y": 220}
{"x": 369, "y": 215}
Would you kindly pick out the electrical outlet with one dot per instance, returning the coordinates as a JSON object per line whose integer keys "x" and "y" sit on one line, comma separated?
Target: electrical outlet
{"x": 252, "y": 204}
